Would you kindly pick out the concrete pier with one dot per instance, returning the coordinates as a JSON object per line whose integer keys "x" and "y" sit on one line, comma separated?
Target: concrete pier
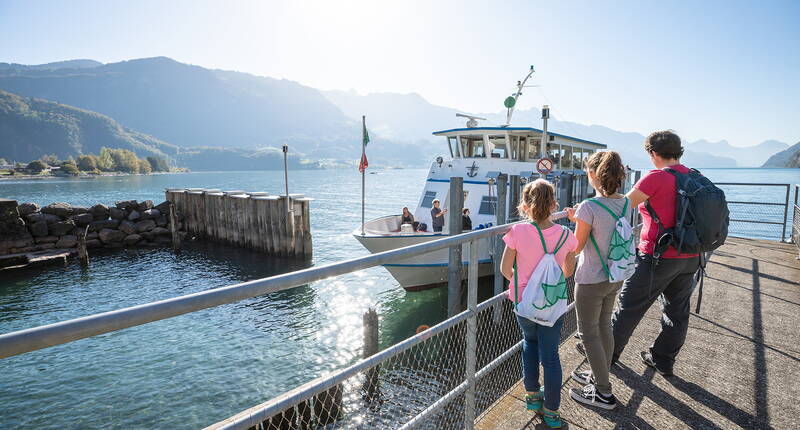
{"x": 739, "y": 368}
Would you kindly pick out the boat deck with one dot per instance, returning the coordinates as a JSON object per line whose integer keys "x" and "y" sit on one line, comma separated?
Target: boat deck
{"x": 739, "y": 368}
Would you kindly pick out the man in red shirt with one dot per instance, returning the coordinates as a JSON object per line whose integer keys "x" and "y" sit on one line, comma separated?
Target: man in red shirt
{"x": 661, "y": 272}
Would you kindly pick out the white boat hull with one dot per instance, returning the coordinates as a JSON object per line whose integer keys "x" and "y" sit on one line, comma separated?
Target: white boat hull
{"x": 423, "y": 271}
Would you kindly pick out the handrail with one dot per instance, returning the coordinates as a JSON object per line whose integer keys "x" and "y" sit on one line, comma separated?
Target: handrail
{"x": 27, "y": 340}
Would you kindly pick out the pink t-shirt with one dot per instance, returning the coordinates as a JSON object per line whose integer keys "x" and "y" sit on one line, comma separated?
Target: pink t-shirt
{"x": 525, "y": 240}
{"x": 660, "y": 186}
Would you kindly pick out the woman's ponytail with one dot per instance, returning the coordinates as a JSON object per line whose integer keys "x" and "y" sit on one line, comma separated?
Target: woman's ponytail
{"x": 608, "y": 168}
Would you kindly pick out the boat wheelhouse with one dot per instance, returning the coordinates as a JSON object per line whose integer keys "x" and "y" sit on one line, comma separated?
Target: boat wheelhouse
{"x": 478, "y": 155}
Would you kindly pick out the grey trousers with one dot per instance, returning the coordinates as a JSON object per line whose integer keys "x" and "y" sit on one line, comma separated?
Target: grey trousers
{"x": 670, "y": 281}
{"x": 594, "y": 304}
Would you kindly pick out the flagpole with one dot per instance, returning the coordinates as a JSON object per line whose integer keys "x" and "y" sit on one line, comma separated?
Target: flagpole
{"x": 363, "y": 171}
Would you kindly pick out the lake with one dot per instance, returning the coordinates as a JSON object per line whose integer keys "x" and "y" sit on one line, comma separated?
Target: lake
{"x": 194, "y": 370}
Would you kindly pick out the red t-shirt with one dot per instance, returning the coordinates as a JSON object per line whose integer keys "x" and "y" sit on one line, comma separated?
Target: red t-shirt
{"x": 660, "y": 186}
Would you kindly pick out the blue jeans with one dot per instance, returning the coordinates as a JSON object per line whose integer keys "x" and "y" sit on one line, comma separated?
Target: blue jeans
{"x": 540, "y": 344}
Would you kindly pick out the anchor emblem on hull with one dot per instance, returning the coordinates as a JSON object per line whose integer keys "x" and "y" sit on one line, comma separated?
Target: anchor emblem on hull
{"x": 472, "y": 170}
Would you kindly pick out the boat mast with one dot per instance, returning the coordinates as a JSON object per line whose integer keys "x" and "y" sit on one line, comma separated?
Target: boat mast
{"x": 511, "y": 101}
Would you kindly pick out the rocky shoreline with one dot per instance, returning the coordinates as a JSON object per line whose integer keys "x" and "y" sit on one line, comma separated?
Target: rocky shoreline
{"x": 29, "y": 228}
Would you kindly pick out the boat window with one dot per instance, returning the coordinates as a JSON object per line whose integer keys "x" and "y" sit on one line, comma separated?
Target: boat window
{"x": 577, "y": 158}
{"x": 554, "y": 153}
{"x": 452, "y": 142}
{"x": 472, "y": 147}
{"x": 533, "y": 149}
{"x": 427, "y": 201}
{"x": 499, "y": 145}
{"x": 566, "y": 157}
{"x": 488, "y": 204}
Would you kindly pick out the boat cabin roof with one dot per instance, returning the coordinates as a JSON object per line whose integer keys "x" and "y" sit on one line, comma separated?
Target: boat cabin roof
{"x": 517, "y": 131}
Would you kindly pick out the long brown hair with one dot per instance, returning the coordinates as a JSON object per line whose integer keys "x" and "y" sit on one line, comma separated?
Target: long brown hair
{"x": 539, "y": 197}
{"x": 607, "y": 167}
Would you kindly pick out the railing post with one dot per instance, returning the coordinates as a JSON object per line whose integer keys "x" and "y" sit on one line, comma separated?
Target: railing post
{"x": 785, "y": 214}
{"x": 472, "y": 336}
{"x": 499, "y": 246}
{"x": 514, "y": 194}
{"x": 454, "y": 289}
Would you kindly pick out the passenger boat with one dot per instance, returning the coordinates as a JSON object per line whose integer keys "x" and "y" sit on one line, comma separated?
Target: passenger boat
{"x": 478, "y": 154}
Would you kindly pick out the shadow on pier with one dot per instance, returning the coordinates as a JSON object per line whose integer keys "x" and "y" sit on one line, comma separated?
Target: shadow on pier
{"x": 738, "y": 369}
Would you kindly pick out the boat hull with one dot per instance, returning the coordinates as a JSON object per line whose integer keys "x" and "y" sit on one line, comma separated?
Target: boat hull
{"x": 424, "y": 271}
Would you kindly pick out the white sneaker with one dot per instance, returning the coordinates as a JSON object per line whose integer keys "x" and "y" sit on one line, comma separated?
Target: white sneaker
{"x": 590, "y": 396}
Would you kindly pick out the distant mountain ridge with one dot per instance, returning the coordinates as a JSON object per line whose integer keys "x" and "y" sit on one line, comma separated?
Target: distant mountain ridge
{"x": 191, "y": 107}
{"x": 787, "y": 158}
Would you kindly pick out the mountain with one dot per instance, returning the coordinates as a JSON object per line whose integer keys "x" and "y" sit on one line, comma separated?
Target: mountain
{"x": 787, "y": 158}
{"x": 30, "y": 128}
{"x": 69, "y": 64}
{"x": 749, "y": 156}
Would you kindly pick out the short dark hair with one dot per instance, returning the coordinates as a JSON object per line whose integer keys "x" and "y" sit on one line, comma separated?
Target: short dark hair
{"x": 665, "y": 143}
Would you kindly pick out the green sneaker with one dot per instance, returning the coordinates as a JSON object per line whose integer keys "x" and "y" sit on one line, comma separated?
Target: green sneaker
{"x": 534, "y": 401}
{"x": 551, "y": 418}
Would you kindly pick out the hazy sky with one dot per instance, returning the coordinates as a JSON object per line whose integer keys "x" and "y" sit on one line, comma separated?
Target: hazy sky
{"x": 708, "y": 69}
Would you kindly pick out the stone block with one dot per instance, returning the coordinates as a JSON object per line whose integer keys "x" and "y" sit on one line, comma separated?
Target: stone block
{"x": 82, "y": 219}
{"x": 161, "y": 231}
{"x": 99, "y": 211}
{"x": 134, "y": 215}
{"x": 96, "y": 226}
{"x": 77, "y": 210}
{"x": 145, "y": 205}
{"x": 92, "y": 235}
{"x": 151, "y": 214}
{"x": 145, "y": 225}
{"x": 127, "y": 205}
{"x": 26, "y": 209}
{"x": 162, "y": 221}
{"x": 45, "y": 246}
{"x": 61, "y": 228}
{"x": 67, "y": 241}
{"x": 94, "y": 243}
{"x": 59, "y": 209}
{"x": 127, "y": 227}
{"x": 108, "y": 235}
{"x": 131, "y": 239}
{"x": 39, "y": 229}
{"x": 117, "y": 213}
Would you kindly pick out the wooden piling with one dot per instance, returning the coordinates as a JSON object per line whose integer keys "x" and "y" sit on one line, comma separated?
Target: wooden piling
{"x": 83, "y": 252}
{"x": 499, "y": 245}
{"x": 370, "y": 387}
{"x": 454, "y": 267}
{"x": 514, "y": 191}
{"x": 173, "y": 228}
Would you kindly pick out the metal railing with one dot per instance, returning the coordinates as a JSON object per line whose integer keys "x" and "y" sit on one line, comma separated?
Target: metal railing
{"x": 796, "y": 219}
{"x": 758, "y": 218}
{"x": 437, "y": 378}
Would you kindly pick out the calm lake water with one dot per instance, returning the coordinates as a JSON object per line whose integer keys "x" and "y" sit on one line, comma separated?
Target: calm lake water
{"x": 194, "y": 370}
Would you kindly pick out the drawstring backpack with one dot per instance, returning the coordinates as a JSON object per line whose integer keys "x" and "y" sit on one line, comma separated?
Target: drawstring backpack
{"x": 544, "y": 299}
{"x": 620, "y": 262}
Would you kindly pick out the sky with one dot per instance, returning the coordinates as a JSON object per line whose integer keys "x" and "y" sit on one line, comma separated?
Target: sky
{"x": 709, "y": 70}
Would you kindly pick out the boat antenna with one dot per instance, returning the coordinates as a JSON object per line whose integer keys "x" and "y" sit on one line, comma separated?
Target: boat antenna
{"x": 471, "y": 122}
{"x": 511, "y": 101}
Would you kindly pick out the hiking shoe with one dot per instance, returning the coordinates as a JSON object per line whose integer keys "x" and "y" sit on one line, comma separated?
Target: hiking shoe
{"x": 590, "y": 396}
{"x": 533, "y": 402}
{"x": 583, "y": 378}
{"x": 579, "y": 347}
{"x": 647, "y": 358}
{"x": 578, "y": 335}
{"x": 551, "y": 418}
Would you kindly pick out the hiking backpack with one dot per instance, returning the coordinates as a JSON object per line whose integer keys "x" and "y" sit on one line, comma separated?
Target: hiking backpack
{"x": 544, "y": 299}
{"x": 701, "y": 214}
{"x": 620, "y": 260}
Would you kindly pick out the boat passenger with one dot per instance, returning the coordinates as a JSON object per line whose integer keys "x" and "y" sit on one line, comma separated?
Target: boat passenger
{"x": 595, "y": 293}
{"x": 437, "y": 216}
{"x": 526, "y": 244}
{"x": 408, "y": 218}
{"x": 466, "y": 221}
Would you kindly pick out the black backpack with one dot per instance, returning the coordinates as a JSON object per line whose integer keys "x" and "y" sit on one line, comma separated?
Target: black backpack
{"x": 701, "y": 219}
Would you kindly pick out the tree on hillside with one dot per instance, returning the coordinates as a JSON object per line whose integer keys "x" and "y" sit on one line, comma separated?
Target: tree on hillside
{"x": 158, "y": 164}
{"x": 87, "y": 163}
{"x": 36, "y": 166}
{"x": 144, "y": 166}
{"x": 125, "y": 160}
{"x": 70, "y": 168}
{"x": 51, "y": 160}
{"x": 105, "y": 162}
{"x": 3, "y": 161}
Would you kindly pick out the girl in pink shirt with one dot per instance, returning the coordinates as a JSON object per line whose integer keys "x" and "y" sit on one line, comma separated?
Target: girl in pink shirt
{"x": 540, "y": 343}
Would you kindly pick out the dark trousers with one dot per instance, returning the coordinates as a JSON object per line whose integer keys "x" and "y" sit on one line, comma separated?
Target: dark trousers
{"x": 672, "y": 285}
